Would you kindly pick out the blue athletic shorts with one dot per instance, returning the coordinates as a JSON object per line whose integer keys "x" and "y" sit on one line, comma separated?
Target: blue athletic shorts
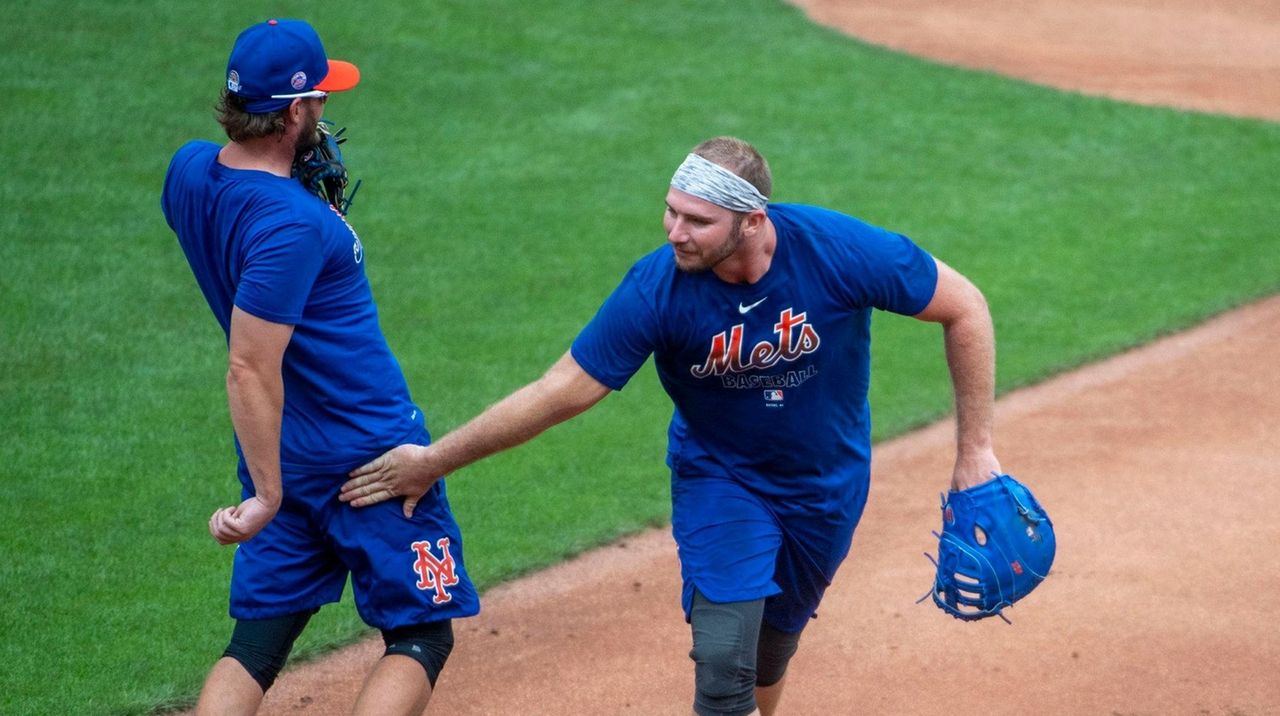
{"x": 403, "y": 571}
{"x": 735, "y": 547}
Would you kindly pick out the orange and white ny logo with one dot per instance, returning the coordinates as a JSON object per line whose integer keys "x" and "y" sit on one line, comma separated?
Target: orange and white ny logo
{"x": 435, "y": 573}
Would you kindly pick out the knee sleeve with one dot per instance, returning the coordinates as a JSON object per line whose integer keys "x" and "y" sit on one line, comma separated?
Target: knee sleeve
{"x": 724, "y": 655}
{"x": 774, "y": 653}
{"x": 262, "y": 645}
{"x": 428, "y": 644}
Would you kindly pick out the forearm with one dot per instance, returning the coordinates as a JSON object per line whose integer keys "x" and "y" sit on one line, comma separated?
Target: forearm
{"x": 410, "y": 470}
{"x": 970, "y": 351}
{"x": 516, "y": 419}
{"x": 970, "y": 343}
{"x": 256, "y": 402}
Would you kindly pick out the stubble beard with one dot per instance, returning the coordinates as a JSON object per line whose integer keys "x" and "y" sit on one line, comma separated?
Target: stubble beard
{"x": 701, "y": 264}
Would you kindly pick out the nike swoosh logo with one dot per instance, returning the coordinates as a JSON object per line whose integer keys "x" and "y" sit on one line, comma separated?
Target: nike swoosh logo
{"x": 744, "y": 309}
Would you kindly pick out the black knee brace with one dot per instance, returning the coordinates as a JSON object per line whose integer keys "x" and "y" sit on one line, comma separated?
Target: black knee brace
{"x": 724, "y": 655}
{"x": 774, "y": 653}
{"x": 428, "y": 644}
{"x": 262, "y": 645}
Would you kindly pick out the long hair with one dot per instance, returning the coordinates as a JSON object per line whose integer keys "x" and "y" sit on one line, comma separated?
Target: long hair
{"x": 241, "y": 125}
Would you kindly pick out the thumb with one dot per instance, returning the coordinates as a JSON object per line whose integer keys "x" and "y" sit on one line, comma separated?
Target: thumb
{"x": 409, "y": 504}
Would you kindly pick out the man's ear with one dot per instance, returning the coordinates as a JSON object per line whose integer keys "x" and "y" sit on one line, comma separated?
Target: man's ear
{"x": 753, "y": 222}
{"x": 296, "y": 110}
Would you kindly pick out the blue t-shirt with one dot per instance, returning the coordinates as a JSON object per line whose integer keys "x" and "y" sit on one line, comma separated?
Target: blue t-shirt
{"x": 264, "y": 244}
{"x": 769, "y": 380}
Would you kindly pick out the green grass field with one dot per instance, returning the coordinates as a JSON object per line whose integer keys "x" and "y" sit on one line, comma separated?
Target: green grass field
{"x": 514, "y": 158}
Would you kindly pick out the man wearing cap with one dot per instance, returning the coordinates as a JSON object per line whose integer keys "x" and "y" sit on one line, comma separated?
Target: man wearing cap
{"x": 313, "y": 391}
{"x": 758, "y": 316}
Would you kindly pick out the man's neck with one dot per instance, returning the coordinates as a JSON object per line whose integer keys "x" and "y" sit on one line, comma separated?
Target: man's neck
{"x": 267, "y": 154}
{"x": 752, "y": 260}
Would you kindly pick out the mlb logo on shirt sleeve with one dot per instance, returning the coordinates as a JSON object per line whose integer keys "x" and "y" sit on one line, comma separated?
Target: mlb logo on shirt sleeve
{"x": 773, "y": 398}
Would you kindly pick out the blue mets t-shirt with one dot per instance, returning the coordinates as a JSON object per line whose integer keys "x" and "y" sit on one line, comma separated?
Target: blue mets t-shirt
{"x": 769, "y": 380}
{"x": 263, "y": 243}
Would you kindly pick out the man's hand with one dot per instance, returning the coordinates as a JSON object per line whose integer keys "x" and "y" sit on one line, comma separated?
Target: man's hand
{"x": 404, "y": 471}
{"x": 232, "y": 525}
{"x": 974, "y": 468}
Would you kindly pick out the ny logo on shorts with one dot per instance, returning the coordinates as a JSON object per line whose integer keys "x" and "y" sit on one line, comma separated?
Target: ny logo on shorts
{"x": 435, "y": 573}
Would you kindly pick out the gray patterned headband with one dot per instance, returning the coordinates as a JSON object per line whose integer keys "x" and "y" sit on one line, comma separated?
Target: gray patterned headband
{"x": 712, "y": 182}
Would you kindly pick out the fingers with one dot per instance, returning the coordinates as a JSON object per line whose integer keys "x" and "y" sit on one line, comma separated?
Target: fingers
{"x": 213, "y": 525}
{"x": 366, "y": 490}
{"x": 223, "y": 526}
{"x": 366, "y": 479}
{"x": 372, "y": 496}
{"x": 370, "y": 490}
{"x": 388, "y": 476}
{"x": 356, "y": 486}
{"x": 372, "y": 466}
{"x": 231, "y": 525}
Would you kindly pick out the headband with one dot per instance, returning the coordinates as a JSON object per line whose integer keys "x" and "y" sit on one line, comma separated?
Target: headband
{"x": 711, "y": 182}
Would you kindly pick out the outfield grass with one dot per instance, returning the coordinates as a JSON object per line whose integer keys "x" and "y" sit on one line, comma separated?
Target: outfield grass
{"x": 515, "y": 156}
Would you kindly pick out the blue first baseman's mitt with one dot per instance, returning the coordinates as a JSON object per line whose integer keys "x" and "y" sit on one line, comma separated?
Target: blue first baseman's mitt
{"x": 996, "y": 545}
{"x": 321, "y": 171}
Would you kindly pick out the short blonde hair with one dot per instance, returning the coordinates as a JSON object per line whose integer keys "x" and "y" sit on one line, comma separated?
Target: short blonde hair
{"x": 740, "y": 158}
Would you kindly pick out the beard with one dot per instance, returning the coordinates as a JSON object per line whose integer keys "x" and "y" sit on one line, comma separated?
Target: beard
{"x": 309, "y": 136}
{"x": 307, "y": 140}
{"x": 702, "y": 264}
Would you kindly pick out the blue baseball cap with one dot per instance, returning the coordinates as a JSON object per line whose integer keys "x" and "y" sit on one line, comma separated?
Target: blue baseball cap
{"x": 277, "y": 61}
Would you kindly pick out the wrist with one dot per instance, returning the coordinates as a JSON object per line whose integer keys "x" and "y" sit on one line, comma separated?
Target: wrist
{"x": 974, "y": 449}
{"x": 269, "y": 498}
{"x": 434, "y": 458}
{"x": 974, "y": 445}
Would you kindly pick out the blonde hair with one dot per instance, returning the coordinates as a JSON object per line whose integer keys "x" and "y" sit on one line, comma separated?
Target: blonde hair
{"x": 740, "y": 158}
{"x": 241, "y": 125}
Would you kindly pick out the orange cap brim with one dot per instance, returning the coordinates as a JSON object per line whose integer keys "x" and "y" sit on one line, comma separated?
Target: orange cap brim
{"x": 342, "y": 76}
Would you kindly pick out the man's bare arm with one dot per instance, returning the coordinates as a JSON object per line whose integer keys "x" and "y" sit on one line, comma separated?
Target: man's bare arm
{"x": 969, "y": 337}
{"x": 408, "y": 471}
{"x": 255, "y": 396}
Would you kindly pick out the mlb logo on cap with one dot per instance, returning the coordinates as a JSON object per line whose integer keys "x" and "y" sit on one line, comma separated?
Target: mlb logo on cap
{"x": 277, "y": 61}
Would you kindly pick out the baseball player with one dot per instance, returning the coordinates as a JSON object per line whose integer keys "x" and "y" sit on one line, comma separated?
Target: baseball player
{"x": 313, "y": 391}
{"x": 758, "y": 316}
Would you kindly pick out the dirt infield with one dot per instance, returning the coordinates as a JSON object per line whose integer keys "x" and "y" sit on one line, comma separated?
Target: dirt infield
{"x": 1159, "y": 467}
{"x": 1221, "y": 56}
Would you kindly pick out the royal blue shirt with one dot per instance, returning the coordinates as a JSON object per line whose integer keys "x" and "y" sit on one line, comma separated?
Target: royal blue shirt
{"x": 770, "y": 379}
{"x": 264, "y": 244}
